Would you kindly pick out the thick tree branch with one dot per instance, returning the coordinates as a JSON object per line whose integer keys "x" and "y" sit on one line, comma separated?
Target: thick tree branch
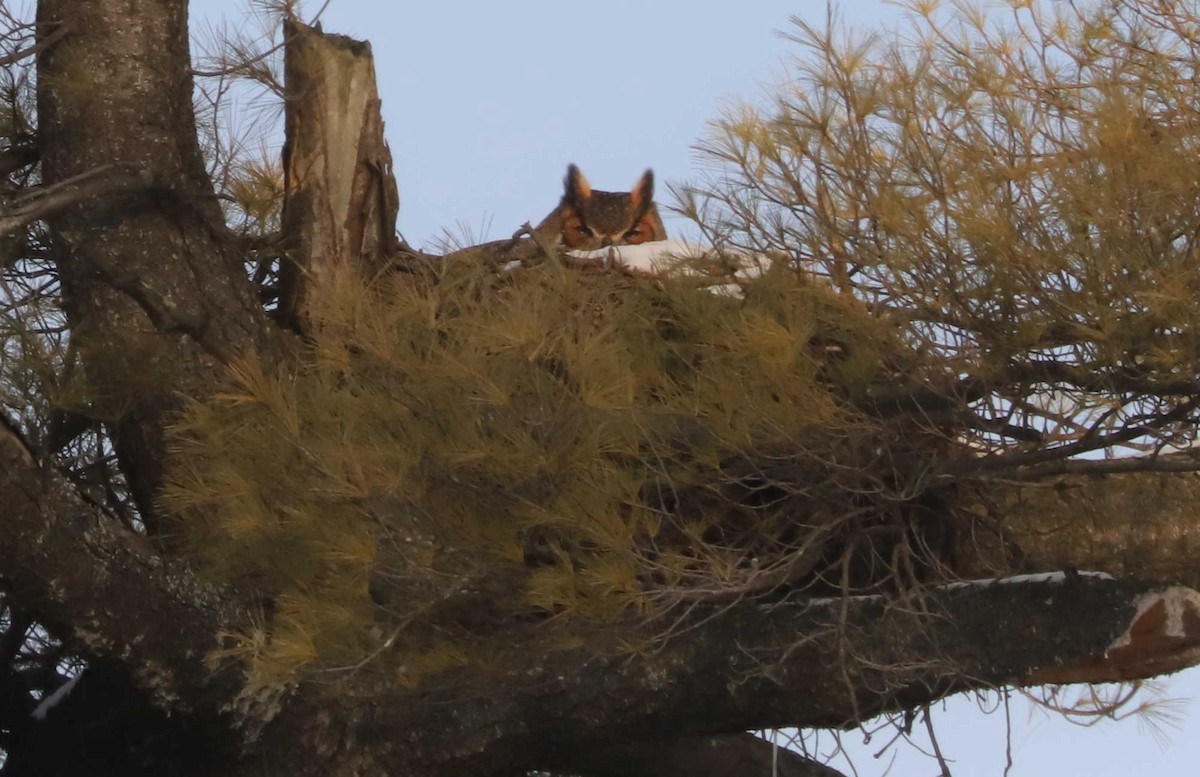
{"x": 135, "y": 113}
{"x": 100, "y": 588}
{"x": 749, "y": 665}
{"x": 1181, "y": 461}
{"x": 1137, "y": 526}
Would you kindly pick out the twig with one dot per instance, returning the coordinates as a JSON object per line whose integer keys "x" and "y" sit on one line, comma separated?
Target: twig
{"x": 237, "y": 67}
{"x": 59, "y": 33}
{"x": 1048, "y": 458}
{"x": 42, "y": 201}
{"x": 937, "y": 750}
{"x": 540, "y": 242}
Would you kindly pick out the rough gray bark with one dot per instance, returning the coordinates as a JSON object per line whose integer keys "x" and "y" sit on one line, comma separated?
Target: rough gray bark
{"x": 341, "y": 197}
{"x": 108, "y": 593}
{"x": 149, "y": 275}
{"x": 1138, "y": 526}
{"x": 751, "y": 666}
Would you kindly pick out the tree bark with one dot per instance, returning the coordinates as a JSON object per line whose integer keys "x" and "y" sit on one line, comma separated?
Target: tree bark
{"x": 110, "y": 596}
{"x": 152, "y": 284}
{"x": 341, "y": 197}
{"x": 750, "y": 666}
{"x": 1133, "y": 526}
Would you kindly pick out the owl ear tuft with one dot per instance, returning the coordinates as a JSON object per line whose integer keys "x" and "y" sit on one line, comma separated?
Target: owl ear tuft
{"x": 576, "y": 188}
{"x": 643, "y": 190}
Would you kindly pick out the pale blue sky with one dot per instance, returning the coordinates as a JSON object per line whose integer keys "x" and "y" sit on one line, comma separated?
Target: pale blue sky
{"x": 485, "y": 105}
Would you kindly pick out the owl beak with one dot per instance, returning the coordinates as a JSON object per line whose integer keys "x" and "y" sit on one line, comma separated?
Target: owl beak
{"x": 606, "y": 242}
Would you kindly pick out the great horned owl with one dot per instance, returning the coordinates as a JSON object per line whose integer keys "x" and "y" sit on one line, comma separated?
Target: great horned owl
{"x": 587, "y": 219}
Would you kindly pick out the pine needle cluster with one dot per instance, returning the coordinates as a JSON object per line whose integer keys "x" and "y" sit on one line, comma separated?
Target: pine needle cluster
{"x": 472, "y": 449}
{"x": 1020, "y": 185}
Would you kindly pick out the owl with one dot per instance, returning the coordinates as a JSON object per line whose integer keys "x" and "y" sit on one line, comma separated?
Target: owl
{"x": 588, "y": 219}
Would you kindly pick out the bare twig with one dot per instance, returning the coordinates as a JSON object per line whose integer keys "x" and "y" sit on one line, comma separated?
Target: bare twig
{"x": 540, "y": 242}
{"x": 43, "y": 201}
{"x": 937, "y": 750}
{"x": 60, "y": 32}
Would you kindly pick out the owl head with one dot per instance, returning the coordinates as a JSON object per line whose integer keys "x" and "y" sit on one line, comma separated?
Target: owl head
{"x": 594, "y": 219}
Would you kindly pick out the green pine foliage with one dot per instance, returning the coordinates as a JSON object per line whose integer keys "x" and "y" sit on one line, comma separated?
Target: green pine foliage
{"x": 1018, "y": 184}
{"x": 481, "y": 446}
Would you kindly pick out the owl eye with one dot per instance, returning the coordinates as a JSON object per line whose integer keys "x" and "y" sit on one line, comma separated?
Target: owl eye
{"x": 576, "y": 234}
{"x": 635, "y": 235}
